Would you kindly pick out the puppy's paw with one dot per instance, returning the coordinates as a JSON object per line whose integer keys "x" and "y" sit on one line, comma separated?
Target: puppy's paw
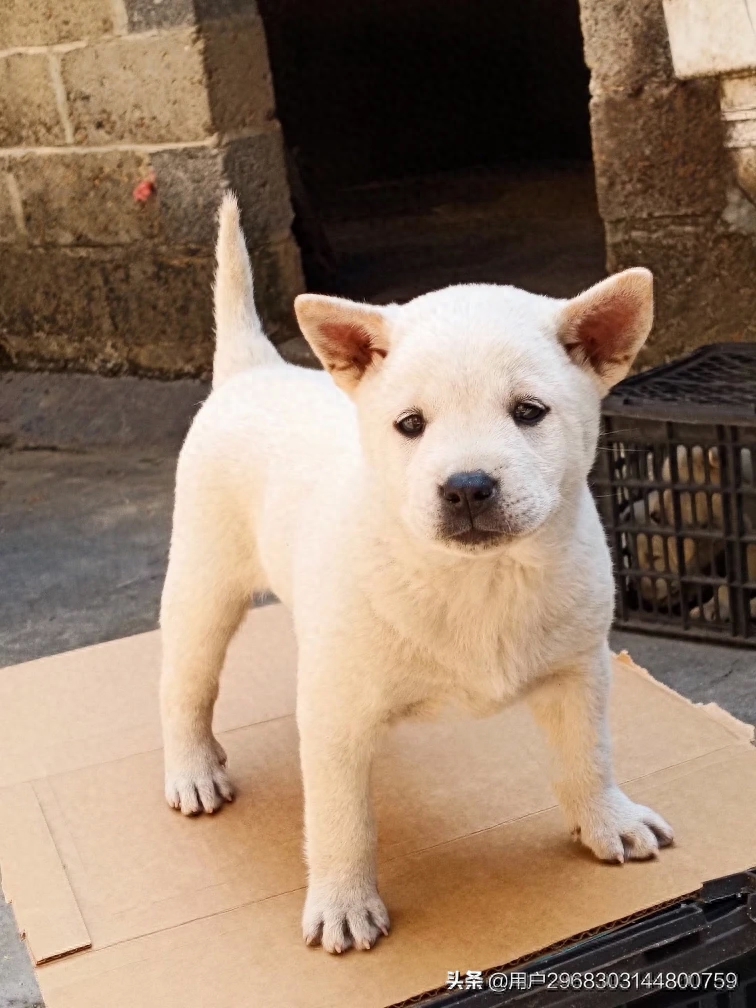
{"x": 616, "y": 829}
{"x": 198, "y": 781}
{"x": 714, "y": 609}
{"x": 338, "y": 919}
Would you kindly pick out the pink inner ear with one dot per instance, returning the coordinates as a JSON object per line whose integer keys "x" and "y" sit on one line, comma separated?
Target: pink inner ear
{"x": 349, "y": 345}
{"x": 603, "y": 335}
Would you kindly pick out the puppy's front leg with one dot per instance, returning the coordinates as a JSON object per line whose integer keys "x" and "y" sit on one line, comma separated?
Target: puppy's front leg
{"x": 571, "y": 707}
{"x": 204, "y": 598}
{"x": 337, "y": 737}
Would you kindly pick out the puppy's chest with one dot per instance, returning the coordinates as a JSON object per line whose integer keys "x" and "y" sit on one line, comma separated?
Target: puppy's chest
{"x": 477, "y": 649}
{"x": 486, "y": 662}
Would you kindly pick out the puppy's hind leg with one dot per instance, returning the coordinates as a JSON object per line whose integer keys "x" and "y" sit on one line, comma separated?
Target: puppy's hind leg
{"x": 207, "y": 589}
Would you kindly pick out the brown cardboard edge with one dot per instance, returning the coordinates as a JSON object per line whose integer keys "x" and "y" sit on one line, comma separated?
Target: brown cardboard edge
{"x": 34, "y": 880}
{"x": 582, "y": 936}
{"x": 740, "y": 729}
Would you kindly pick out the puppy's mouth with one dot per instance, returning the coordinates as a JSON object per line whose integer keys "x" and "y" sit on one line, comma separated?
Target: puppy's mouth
{"x": 482, "y": 533}
{"x": 477, "y": 537}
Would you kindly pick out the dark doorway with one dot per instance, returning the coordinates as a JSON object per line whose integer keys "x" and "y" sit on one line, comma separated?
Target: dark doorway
{"x": 437, "y": 142}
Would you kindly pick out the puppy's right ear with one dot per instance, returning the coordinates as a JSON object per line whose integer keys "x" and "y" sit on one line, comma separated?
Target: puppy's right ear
{"x": 348, "y": 338}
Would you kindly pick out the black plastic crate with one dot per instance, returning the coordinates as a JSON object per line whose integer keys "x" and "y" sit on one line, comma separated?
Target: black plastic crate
{"x": 675, "y": 484}
{"x": 685, "y": 947}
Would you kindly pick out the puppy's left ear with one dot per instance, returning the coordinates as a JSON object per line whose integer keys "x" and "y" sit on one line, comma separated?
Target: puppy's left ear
{"x": 348, "y": 338}
{"x": 604, "y": 328}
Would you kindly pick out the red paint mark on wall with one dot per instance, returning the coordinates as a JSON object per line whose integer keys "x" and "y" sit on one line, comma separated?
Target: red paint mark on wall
{"x": 145, "y": 189}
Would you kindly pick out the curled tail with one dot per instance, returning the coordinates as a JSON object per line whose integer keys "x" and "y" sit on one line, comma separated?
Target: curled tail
{"x": 240, "y": 342}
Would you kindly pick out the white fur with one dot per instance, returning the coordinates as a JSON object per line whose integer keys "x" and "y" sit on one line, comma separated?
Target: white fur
{"x": 288, "y": 484}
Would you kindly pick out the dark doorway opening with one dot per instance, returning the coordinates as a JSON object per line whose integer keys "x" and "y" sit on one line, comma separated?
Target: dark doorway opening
{"x": 435, "y": 142}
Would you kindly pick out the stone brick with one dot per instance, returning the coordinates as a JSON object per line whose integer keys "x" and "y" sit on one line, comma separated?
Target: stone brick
{"x": 8, "y": 226}
{"x": 189, "y": 185}
{"x": 143, "y": 89}
{"x": 298, "y": 351}
{"x": 626, "y": 45}
{"x": 85, "y": 198}
{"x": 660, "y": 153}
{"x": 278, "y": 280}
{"x": 111, "y": 311}
{"x": 238, "y": 74}
{"x": 665, "y": 182}
{"x": 45, "y": 22}
{"x": 53, "y": 311}
{"x": 161, "y": 310}
{"x": 128, "y": 311}
{"x": 146, "y": 15}
{"x": 704, "y": 287}
{"x": 28, "y": 111}
{"x": 256, "y": 170}
{"x": 208, "y": 10}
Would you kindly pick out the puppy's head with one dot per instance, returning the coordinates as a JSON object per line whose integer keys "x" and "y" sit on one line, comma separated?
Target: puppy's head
{"x": 479, "y": 405}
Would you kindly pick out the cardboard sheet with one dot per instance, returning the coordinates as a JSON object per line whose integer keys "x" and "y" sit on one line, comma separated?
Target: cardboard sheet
{"x": 126, "y": 903}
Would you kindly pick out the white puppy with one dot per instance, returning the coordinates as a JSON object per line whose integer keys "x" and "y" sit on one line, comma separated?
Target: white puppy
{"x": 422, "y": 509}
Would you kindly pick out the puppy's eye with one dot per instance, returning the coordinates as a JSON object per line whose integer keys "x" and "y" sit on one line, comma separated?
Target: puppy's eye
{"x": 411, "y": 425}
{"x": 529, "y": 412}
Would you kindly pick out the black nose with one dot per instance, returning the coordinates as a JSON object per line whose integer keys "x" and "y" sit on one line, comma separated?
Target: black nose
{"x": 469, "y": 491}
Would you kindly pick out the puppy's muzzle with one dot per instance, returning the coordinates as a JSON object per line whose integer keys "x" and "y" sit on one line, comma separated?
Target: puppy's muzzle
{"x": 468, "y": 500}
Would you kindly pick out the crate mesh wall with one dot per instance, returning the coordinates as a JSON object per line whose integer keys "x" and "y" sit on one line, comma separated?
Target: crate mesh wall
{"x": 675, "y": 484}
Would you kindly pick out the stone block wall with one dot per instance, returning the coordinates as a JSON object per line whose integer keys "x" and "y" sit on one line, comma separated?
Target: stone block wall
{"x": 666, "y": 187}
{"x": 96, "y": 97}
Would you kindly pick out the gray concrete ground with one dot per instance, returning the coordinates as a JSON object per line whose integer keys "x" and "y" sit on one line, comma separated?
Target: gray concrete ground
{"x": 83, "y": 542}
{"x": 18, "y": 987}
